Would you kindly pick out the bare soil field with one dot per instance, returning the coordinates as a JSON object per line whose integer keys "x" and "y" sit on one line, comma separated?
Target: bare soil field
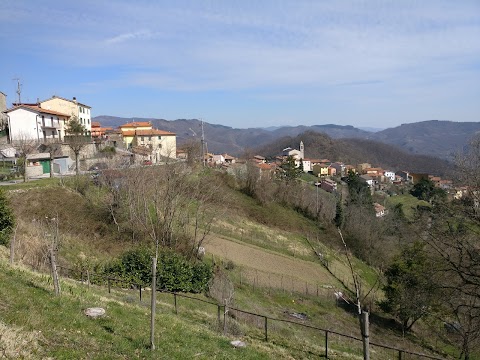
{"x": 267, "y": 268}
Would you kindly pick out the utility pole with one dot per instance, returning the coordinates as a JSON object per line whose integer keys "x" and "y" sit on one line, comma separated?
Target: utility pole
{"x": 19, "y": 91}
{"x": 204, "y": 160}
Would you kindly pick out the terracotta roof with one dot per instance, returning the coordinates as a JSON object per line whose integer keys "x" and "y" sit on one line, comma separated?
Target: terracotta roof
{"x": 135, "y": 124}
{"x": 38, "y": 110}
{"x": 148, "y": 132}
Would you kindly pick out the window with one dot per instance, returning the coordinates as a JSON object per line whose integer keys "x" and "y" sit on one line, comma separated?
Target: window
{"x": 149, "y": 138}
{"x": 159, "y": 138}
{"x": 88, "y": 121}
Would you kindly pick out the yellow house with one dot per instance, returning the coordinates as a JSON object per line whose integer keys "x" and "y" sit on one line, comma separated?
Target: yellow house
{"x": 320, "y": 170}
{"x": 141, "y": 136}
{"x": 71, "y": 108}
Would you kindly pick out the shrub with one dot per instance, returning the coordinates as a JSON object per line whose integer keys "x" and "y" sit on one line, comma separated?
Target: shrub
{"x": 7, "y": 220}
{"x": 174, "y": 272}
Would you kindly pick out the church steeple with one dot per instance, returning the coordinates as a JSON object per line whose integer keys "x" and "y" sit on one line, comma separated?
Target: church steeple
{"x": 302, "y": 150}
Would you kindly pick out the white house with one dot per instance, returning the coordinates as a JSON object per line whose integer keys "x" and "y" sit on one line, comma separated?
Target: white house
{"x": 389, "y": 175}
{"x": 307, "y": 165}
{"x": 339, "y": 167}
{"x": 35, "y": 123}
{"x": 369, "y": 180}
{"x": 71, "y": 108}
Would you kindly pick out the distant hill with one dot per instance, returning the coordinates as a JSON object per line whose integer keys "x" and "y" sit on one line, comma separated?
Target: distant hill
{"x": 354, "y": 151}
{"x": 442, "y": 139}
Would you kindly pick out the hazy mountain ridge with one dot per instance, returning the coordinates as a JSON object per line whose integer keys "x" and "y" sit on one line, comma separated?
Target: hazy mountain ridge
{"x": 441, "y": 139}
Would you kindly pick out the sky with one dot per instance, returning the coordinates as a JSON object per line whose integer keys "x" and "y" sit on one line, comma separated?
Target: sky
{"x": 245, "y": 63}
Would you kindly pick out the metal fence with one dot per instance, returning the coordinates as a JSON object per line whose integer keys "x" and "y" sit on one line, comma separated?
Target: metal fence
{"x": 230, "y": 319}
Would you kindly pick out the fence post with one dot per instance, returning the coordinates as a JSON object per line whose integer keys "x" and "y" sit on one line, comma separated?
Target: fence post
{"x": 365, "y": 335}
{"x": 88, "y": 278}
{"x": 326, "y": 344}
{"x": 266, "y": 329}
{"x": 175, "y": 301}
{"x": 225, "y": 310}
{"x": 153, "y": 303}
{"x": 218, "y": 314}
{"x": 400, "y": 355}
{"x": 140, "y": 289}
{"x": 109, "y": 285}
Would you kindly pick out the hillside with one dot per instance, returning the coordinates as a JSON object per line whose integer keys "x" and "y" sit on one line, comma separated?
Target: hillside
{"x": 440, "y": 139}
{"x": 443, "y": 139}
{"x": 262, "y": 248}
{"x": 354, "y": 151}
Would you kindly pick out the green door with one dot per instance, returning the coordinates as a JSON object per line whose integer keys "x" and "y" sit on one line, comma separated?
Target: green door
{"x": 45, "y": 166}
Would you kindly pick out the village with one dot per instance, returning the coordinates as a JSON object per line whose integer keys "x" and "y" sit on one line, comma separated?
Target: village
{"x": 138, "y": 143}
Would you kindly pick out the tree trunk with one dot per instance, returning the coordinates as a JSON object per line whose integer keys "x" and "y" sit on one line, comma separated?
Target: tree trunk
{"x": 77, "y": 163}
{"x": 51, "y": 165}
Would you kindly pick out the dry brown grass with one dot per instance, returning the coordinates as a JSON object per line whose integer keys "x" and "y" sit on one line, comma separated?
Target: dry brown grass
{"x": 16, "y": 343}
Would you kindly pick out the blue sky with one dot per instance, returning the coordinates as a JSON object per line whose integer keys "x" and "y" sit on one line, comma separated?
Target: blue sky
{"x": 249, "y": 63}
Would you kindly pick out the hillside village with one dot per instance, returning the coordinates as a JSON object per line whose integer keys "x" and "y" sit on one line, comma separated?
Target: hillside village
{"x": 137, "y": 143}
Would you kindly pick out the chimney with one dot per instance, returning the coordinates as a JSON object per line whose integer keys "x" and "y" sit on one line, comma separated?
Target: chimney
{"x": 74, "y": 99}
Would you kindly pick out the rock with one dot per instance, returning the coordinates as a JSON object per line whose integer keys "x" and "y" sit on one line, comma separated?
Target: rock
{"x": 94, "y": 312}
{"x": 238, "y": 343}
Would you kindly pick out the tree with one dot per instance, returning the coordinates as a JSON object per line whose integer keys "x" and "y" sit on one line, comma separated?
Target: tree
{"x": 358, "y": 191}
{"x": 7, "y": 220}
{"x": 53, "y": 148}
{"x": 410, "y": 292}
{"x": 76, "y": 139}
{"x": 24, "y": 146}
{"x": 426, "y": 190}
{"x": 289, "y": 169}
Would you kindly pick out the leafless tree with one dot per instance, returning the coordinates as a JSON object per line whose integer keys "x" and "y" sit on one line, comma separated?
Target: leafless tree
{"x": 24, "y": 146}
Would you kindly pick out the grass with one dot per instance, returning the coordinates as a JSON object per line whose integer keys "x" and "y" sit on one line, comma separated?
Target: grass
{"x": 409, "y": 202}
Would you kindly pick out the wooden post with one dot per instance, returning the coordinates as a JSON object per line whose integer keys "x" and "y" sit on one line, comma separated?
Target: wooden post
{"x": 218, "y": 315}
{"x": 175, "y": 302}
{"x": 400, "y": 355}
{"x": 56, "y": 284}
{"x": 140, "y": 290}
{"x": 365, "y": 335}
{"x": 266, "y": 329}
{"x": 88, "y": 278}
{"x": 153, "y": 303}
{"x": 225, "y": 310}
{"x": 317, "y": 290}
{"x": 326, "y": 344}
{"x": 109, "y": 285}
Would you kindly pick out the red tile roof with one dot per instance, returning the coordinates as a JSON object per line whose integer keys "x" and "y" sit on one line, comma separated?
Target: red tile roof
{"x": 135, "y": 124}
{"x": 148, "y": 132}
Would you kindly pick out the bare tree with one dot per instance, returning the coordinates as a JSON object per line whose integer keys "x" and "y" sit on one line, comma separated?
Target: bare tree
{"x": 24, "y": 146}
{"x": 53, "y": 147}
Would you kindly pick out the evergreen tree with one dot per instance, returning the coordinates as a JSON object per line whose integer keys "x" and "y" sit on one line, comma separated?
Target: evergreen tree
{"x": 7, "y": 220}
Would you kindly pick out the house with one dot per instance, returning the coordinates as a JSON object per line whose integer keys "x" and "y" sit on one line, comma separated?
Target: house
{"x": 307, "y": 165}
{"x": 7, "y": 154}
{"x": 339, "y": 168}
{"x": 71, "y": 108}
{"x": 97, "y": 131}
{"x": 39, "y": 164}
{"x": 328, "y": 185}
{"x": 160, "y": 143}
{"x": 380, "y": 210}
{"x": 259, "y": 159}
{"x": 229, "y": 159}
{"x": 417, "y": 177}
{"x": 404, "y": 175}
{"x": 361, "y": 167}
{"x": 320, "y": 169}
{"x": 31, "y": 122}
{"x": 368, "y": 179}
{"x": 218, "y": 159}
{"x": 390, "y": 175}
{"x": 373, "y": 172}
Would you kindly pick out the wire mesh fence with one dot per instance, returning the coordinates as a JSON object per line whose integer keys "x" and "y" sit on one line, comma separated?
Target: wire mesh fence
{"x": 234, "y": 321}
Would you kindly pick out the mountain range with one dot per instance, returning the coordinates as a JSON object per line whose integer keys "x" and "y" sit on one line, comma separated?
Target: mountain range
{"x": 441, "y": 139}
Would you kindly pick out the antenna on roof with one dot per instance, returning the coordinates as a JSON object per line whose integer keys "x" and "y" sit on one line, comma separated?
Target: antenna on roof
{"x": 19, "y": 91}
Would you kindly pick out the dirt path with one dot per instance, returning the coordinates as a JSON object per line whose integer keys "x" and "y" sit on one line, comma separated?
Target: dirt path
{"x": 268, "y": 267}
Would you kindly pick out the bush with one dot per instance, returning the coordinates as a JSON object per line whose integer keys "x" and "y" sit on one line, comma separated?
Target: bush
{"x": 7, "y": 220}
{"x": 174, "y": 272}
